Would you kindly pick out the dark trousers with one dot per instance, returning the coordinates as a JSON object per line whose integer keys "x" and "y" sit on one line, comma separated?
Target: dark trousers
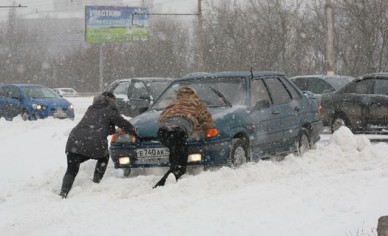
{"x": 175, "y": 140}
{"x": 73, "y": 163}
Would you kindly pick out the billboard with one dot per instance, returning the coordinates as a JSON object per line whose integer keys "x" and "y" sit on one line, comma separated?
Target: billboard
{"x": 115, "y": 24}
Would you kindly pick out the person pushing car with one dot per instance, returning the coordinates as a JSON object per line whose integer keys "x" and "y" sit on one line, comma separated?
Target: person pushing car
{"x": 186, "y": 116}
{"x": 88, "y": 139}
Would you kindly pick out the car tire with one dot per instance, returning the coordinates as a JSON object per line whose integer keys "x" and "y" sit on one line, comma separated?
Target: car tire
{"x": 8, "y": 118}
{"x": 25, "y": 116}
{"x": 303, "y": 143}
{"x": 126, "y": 172}
{"x": 238, "y": 154}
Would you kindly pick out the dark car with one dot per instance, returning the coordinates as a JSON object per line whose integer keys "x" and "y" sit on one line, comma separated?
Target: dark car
{"x": 256, "y": 115}
{"x": 321, "y": 84}
{"x": 135, "y": 95}
{"x": 362, "y": 105}
{"x": 32, "y": 102}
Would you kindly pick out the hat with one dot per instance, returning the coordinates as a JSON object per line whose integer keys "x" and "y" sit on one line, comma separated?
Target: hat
{"x": 185, "y": 91}
{"x": 108, "y": 94}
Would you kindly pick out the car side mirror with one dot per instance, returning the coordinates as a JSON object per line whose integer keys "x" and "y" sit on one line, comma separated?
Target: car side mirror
{"x": 261, "y": 104}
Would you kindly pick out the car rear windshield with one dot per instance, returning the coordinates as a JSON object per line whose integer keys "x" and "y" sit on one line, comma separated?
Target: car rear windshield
{"x": 209, "y": 90}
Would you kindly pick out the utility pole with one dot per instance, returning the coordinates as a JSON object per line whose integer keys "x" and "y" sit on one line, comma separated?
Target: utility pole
{"x": 330, "y": 38}
{"x": 200, "y": 37}
{"x": 101, "y": 83}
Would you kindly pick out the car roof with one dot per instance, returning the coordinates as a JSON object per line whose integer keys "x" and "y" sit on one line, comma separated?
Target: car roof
{"x": 226, "y": 74}
{"x": 331, "y": 79}
{"x": 375, "y": 75}
{"x": 24, "y": 85}
{"x": 145, "y": 78}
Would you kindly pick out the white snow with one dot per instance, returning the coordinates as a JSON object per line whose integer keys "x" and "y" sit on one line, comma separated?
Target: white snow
{"x": 340, "y": 188}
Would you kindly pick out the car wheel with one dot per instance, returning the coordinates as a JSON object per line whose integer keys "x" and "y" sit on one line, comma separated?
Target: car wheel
{"x": 126, "y": 172}
{"x": 303, "y": 143}
{"x": 337, "y": 123}
{"x": 25, "y": 116}
{"x": 8, "y": 118}
{"x": 238, "y": 154}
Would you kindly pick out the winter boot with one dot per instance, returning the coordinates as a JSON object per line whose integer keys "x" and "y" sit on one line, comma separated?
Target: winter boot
{"x": 99, "y": 171}
{"x": 66, "y": 185}
{"x": 162, "y": 181}
{"x": 179, "y": 171}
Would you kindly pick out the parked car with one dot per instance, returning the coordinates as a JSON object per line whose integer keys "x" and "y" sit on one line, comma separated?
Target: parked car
{"x": 362, "y": 105}
{"x": 135, "y": 95}
{"x": 256, "y": 114}
{"x": 32, "y": 102}
{"x": 66, "y": 92}
{"x": 321, "y": 84}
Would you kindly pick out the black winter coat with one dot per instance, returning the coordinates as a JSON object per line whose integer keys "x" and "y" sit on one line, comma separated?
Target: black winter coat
{"x": 89, "y": 137}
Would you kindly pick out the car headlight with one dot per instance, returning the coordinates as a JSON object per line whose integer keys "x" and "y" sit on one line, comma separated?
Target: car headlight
{"x": 37, "y": 107}
{"x": 70, "y": 107}
{"x": 124, "y": 160}
{"x": 194, "y": 157}
{"x": 123, "y": 138}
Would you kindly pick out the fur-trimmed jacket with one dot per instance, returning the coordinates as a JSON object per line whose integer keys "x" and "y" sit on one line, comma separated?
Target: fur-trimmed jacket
{"x": 191, "y": 107}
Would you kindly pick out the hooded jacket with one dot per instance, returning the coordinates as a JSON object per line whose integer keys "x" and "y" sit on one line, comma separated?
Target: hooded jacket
{"x": 188, "y": 105}
{"x": 89, "y": 136}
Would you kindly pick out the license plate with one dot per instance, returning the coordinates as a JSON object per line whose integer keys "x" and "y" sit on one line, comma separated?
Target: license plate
{"x": 60, "y": 114}
{"x": 151, "y": 153}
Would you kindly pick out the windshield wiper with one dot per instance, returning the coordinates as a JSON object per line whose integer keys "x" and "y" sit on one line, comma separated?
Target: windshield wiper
{"x": 221, "y": 96}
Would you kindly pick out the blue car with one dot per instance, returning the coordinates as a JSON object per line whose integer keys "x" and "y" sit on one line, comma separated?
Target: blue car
{"x": 256, "y": 115}
{"x": 32, "y": 102}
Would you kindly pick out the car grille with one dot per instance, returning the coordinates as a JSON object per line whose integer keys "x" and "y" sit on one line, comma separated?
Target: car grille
{"x": 148, "y": 139}
{"x": 53, "y": 109}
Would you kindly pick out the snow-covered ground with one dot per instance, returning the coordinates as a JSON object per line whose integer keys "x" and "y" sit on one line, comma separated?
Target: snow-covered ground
{"x": 340, "y": 188}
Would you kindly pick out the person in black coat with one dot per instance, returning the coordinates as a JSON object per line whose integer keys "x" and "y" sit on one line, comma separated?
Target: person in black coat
{"x": 88, "y": 139}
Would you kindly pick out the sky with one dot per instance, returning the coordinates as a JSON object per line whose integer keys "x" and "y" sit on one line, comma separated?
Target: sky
{"x": 340, "y": 188}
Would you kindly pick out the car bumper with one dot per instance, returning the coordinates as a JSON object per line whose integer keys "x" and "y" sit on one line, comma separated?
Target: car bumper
{"x": 61, "y": 114}
{"x": 213, "y": 153}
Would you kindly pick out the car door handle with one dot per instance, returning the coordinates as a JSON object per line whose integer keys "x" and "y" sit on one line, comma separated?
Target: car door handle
{"x": 275, "y": 112}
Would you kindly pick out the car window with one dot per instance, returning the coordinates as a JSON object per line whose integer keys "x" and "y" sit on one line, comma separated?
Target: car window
{"x": 364, "y": 87}
{"x": 258, "y": 92}
{"x": 14, "y": 92}
{"x": 302, "y": 83}
{"x": 360, "y": 87}
{"x": 294, "y": 93}
{"x": 157, "y": 87}
{"x": 39, "y": 92}
{"x": 231, "y": 88}
{"x": 2, "y": 91}
{"x": 381, "y": 86}
{"x": 319, "y": 86}
{"x": 279, "y": 93}
{"x": 138, "y": 90}
{"x": 121, "y": 88}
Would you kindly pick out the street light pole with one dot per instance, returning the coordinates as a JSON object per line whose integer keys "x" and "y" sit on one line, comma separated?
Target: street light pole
{"x": 330, "y": 38}
{"x": 200, "y": 37}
